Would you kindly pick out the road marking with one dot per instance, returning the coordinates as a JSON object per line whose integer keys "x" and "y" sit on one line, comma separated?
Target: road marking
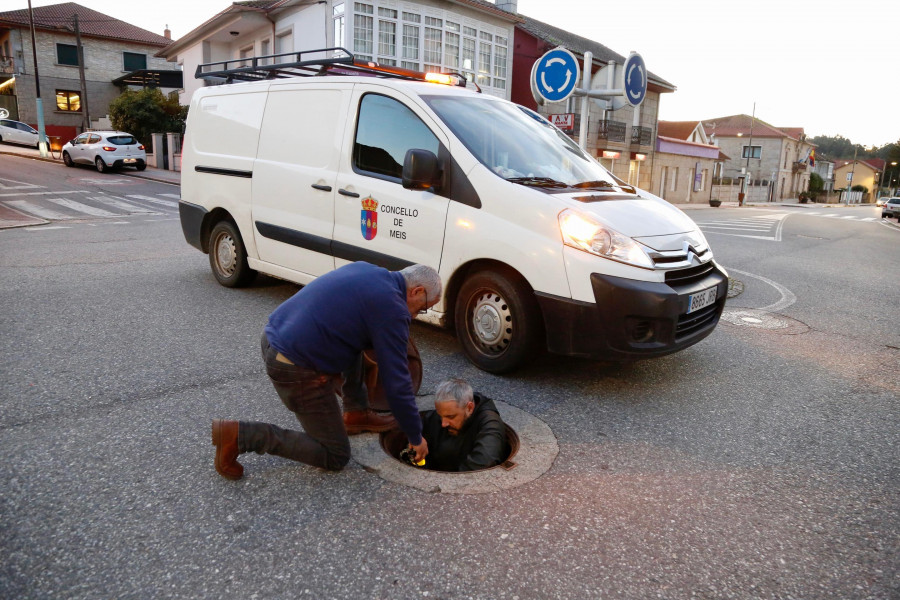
{"x": 39, "y": 211}
{"x": 122, "y": 205}
{"x": 17, "y": 194}
{"x": 84, "y": 208}
{"x": 787, "y": 296}
{"x": 108, "y": 223}
{"x": 762, "y": 223}
{"x": 106, "y": 181}
{"x": 23, "y": 184}
{"x": 47, "y": 228}
{"x": 168, "y": 203}
{"x": 176, "y": 196}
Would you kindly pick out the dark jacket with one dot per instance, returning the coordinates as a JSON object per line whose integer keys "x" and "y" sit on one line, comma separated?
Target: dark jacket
{"x": 480, "y": 443}
{"x": 330, "y": 321}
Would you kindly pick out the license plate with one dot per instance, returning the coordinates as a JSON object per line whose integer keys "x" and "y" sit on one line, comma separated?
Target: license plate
{"x": 701, "y": 299}
{"x": 130, "y": 160}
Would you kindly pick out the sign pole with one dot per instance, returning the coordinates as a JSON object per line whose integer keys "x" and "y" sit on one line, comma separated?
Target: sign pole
{"x": 585, "y": 112}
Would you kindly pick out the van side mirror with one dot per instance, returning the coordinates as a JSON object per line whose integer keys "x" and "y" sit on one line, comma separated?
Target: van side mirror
{"x": 420, "y": 170}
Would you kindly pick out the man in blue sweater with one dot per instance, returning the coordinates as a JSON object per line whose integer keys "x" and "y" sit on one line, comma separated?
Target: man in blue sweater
{"x": 310, "y": 341}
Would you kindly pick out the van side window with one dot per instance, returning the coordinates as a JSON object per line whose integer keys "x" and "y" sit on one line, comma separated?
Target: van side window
{"x": 386, "y": 129}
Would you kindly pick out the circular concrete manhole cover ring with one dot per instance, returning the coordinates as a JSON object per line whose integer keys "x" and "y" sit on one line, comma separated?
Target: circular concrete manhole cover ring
{"x": 537, "y": 451}
{"x": 767, "y": 321}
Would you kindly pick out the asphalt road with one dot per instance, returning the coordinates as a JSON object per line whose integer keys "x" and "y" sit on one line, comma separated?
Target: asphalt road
{"x": 760, "y": 463}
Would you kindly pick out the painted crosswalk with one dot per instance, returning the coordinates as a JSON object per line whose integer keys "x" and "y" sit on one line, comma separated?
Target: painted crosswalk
{"x": 75, "y": 205}
{"x": 761, "y": 227}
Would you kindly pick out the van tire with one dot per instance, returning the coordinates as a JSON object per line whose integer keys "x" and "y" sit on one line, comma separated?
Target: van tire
{"x": 227, "y": 256}
{"x": 497, "y": 321}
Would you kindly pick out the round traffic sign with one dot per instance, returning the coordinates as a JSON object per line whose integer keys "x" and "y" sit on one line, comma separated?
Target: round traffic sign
{"x": 555, "y": 75}
{"x": 635, "y": 75}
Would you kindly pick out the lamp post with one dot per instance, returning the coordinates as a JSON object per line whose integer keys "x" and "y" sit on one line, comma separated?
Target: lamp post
{"x": 881, "y": 184}
{"x": 42, "y": 136}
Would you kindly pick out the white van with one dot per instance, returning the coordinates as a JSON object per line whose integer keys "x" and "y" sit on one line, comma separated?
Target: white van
{"x": 537, "y": 244}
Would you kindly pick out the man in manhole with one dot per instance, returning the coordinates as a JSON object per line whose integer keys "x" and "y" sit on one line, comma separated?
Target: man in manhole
{"x": 314, "y": 337}
{"x": 464, "y": 431}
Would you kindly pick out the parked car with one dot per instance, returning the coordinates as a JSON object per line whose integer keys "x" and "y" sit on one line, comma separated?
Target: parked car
{"x": 16, "y": 132}
{"x": 105, "y": 150}
{"x": 891, "y": 208}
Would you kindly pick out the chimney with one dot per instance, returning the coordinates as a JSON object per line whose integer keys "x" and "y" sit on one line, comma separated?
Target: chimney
{"x": 510, "y": 6}
{"x": 167, "y": 33}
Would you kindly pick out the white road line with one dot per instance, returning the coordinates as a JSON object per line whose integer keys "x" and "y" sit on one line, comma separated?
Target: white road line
{"x": 43, "y": 193}
{"x": 108, "y": 223}
{"x": 176, "y": 196}
{"x": 24, "y": 184}
{"x": 39, "y": 211}
{"x": 854, "y": 218}
{"x": 868, "y": 219}
{"x": 121, "y": 205}
{"x": 84, "y": 208}
{"x": 754, "y": 227}
{"x": 168, "y": 203}
{"x": 48, "y": 228}
{"x": 787, "y": 296}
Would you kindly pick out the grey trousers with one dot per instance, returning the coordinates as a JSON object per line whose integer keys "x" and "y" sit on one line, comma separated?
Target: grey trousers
{"x": 314, "y": 398}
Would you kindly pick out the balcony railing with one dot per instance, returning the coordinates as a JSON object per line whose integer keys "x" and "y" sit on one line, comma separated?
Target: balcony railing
{"x": 798, "y": 166}
{"x": 612, "y": 131}
{"x": 642, "y": 136}
{"x": 7, "y": 65}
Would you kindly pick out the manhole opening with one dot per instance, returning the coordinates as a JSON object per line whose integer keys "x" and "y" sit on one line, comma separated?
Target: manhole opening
{"x": 393, "y": 442}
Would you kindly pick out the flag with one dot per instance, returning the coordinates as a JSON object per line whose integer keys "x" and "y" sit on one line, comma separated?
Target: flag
{"x": 812, "y": 157}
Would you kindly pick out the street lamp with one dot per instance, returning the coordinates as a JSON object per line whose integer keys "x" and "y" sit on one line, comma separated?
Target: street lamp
{"x": 890, "y": 180}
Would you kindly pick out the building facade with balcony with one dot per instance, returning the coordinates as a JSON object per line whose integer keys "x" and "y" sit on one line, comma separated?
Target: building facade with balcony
{"x": 113, "y": 51}
{"x": 773, "y": 158}
{"x": 470, "y": 37}
{"x": 625, "y": 146}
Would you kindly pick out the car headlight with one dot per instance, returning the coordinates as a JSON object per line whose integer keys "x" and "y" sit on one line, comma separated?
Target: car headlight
{"x": 586, "y": 233}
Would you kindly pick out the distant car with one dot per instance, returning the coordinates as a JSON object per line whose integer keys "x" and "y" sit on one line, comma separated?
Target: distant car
{"x": 105, "y": 150}
{"x": 881, "y": 201}
{"x": 16, "y": 132}
{"x": 891, "y": 208}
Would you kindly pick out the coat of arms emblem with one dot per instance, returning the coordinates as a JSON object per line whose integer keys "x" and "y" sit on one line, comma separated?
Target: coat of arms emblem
{"x": 369, "y": 217}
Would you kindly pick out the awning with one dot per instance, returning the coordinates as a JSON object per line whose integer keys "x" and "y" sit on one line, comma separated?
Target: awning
{"x": 152, "y": 78}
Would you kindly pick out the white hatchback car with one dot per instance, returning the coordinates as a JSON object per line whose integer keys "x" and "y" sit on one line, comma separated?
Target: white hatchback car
{"x": 105, "y": 150}
{"x": 16, "y": 132}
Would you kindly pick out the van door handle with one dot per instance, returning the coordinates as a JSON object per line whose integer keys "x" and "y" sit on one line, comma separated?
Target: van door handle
{"x": 344, "y": 192}
{"x": 324, "y": 188}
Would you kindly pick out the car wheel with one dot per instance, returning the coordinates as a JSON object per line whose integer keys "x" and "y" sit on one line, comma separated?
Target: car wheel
{"x": 67, "y": 160}
{"x": 101, "y": 166}
{"x": 227, "y": 256}
{"x": 498, "y": 321}
{"x": 140, "y": 167}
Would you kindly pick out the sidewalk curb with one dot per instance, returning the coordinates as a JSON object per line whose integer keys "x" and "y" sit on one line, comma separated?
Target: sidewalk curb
{"x": 140, "y": 174}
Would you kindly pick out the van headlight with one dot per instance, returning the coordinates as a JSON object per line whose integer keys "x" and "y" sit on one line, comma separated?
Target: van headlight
{"x": 586, "y": 233}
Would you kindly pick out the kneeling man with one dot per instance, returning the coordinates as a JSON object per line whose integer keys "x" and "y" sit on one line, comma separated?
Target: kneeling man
{"x": 464, "y": 431}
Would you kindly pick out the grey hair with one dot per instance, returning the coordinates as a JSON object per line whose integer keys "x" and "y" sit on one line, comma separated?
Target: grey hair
{"x": 454, "y": 390}
{"x": 416, "y": 275}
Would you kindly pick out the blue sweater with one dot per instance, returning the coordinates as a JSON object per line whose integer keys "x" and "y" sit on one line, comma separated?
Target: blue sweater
{"x": 330, "y": 321}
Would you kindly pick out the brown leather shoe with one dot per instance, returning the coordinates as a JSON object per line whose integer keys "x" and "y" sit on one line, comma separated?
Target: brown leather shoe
{"x": 225, "y": 439}
{"x": 368, "y": 421}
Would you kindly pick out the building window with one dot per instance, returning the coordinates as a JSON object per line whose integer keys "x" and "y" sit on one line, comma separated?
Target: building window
{"x": 468, "y": 58}
{"x": 134, "y": 61}
{"x": 675, "y": 179}
{"x": 264, "y": 50}
{"x": 484, "y": 63}
{"x": 337, "y": 14}
{"x": 451, "y": 50}
{"x": 67, "y": 54}
{"x": 68, "y": 100}
{"x": 284, "y": 42}
{"x": 246, "y": 53}
{"x": 363, "y": 30}
{"x": 432, "y": 46}
{"x": 387, "y": 38}
{"x": 411, "y": 46}
{"x": 751, "y": 152}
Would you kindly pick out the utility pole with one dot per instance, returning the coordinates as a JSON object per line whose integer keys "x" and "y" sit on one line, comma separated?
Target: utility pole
{"x": 852, "y": 171}
{"x": 85, "y": 111}
{"x": 42, "y": 136}
{"x": 749, "y": 153}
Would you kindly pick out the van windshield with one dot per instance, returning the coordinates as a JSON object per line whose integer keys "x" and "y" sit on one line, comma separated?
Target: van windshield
{"x": 519, "y": 145}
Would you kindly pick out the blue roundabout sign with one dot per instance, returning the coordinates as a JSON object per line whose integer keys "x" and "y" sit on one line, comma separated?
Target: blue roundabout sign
{"x": 555, "y": 75}
{"x": 635, "y": 76}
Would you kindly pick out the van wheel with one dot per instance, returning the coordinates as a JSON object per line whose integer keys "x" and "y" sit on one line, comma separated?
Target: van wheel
{"x": 68, "y": 160}
{"x": 227, "y": 256}
{"x": 101, "y": 166}
{"x": 497, "y": 321}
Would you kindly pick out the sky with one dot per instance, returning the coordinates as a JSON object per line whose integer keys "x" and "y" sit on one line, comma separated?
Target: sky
{"x": 824, "y": 66}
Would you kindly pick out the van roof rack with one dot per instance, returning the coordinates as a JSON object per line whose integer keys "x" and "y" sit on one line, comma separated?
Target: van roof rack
{"x": 312, "y": 63}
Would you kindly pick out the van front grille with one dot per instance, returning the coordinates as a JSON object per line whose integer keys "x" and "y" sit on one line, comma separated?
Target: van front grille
{"x": 689, "y": 275}
{"x": 690, "y": 324}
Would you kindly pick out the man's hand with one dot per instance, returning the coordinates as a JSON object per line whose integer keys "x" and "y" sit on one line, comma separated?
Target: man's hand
{"x": 421, "y": 450}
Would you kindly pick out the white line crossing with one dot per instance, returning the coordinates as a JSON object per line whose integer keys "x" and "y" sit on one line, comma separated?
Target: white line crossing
{"x": 22, "y": 184}
{"x": 168, "y": 203}
{"x": 122, "y": 205}
{"x": 84, "y": 208}
{"x": 40, "y": 211}
{"x": 176, "y": 196}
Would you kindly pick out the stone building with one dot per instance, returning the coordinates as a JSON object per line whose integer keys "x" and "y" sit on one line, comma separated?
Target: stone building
{"x": 685, "y": 162}
{"x": 777, "y": 158}
{"x": 114, "y": 52}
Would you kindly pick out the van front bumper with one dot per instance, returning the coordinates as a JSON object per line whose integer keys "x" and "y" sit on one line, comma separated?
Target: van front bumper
{"x": 632, "y": 319}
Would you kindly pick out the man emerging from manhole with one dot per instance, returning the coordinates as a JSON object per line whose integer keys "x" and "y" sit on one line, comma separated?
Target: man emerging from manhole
{"x": 464, "y": 431}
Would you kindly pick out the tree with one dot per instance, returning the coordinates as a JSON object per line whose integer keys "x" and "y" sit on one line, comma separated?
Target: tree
{"x": 816, "y": 183}
{"x": 146, "y": 111}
